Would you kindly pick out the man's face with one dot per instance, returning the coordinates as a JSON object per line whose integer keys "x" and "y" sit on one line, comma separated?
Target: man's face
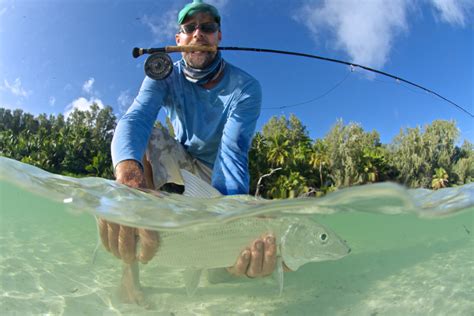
{"x": 199, "y": 60}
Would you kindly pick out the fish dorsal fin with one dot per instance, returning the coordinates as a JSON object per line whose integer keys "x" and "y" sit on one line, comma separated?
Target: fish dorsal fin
{"x": 196, "y": 187}
{"x": 191, "y": 280}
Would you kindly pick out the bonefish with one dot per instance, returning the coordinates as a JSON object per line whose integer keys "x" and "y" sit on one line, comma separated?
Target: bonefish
{"x": 299, "y": 240}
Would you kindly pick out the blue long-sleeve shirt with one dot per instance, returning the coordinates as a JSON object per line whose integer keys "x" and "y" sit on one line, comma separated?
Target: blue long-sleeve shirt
{"x": 215, "y": 126}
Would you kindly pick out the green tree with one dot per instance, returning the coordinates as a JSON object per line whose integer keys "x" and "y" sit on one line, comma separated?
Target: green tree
{"x": 278, "y": 151}
{"x": 463, "y": 168}
{"x": 439, "y": 139}
{"x": 439, "y": 179}
{"x": 288, "y": 147}
{"x": 258, "y": 163}
{"x": 288, "y": 186}
{"x": 347, "y": 145}
{"x": 319, "y": 160}
{"x": 409, "y": 157}
{"x": 374, "y": 165}
{"x": 417, "y": 153}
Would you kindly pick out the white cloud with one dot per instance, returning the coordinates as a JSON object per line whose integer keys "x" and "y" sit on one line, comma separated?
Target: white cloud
{"x": 15, "y": 88}
{"x": 87, "y": 86}
{"x": 52, "y": 101}
{"x": 455, "y": 12}
{"x": 82, "y": 104}
{"x": 367, "y": 29}
{"x": 124, "y": 101}
{"x": 3, "y": 11}
{"x": 163, "y": 27}
{"x": 364, "y": 29}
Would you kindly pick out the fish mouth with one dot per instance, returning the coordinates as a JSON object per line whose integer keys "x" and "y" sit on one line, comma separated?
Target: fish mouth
{"x": 342, "y": 254}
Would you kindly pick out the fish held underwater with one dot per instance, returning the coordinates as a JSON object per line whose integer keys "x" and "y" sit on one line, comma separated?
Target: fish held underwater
{"x": 299, "y": 240}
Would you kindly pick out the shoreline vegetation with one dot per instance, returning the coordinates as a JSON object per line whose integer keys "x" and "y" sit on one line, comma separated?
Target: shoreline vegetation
{"x": 284, "y": 161}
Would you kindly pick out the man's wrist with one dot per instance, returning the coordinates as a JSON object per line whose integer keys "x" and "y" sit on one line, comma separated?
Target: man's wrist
{"x": 129, "y": 172}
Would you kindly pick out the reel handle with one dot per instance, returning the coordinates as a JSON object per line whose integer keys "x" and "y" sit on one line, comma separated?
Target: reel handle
{"x": 190, "y": 48}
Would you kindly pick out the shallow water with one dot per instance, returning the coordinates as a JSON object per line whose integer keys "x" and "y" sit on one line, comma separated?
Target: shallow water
{"x": 417, "y": 261}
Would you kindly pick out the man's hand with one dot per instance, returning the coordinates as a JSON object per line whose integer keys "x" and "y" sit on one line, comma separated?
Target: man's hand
{"x": 122, "y": 240}
{"x": 259, "y": 260}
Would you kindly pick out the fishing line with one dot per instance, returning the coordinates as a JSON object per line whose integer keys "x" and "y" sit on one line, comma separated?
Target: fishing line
{"x": 396, "y": 83}
{"x": 159, "y": 65}
{"x": 403, "y": 85}
{"x": 312, "y": 100}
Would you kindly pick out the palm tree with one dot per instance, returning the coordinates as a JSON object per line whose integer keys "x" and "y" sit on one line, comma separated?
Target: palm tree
{"x": 373, "y": 165}
{"x": 440, "y": 179}
{"x": 319, "y": 158}
{"x": 278, "y": 150}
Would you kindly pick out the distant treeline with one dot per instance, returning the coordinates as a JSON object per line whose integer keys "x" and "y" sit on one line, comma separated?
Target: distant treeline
{"x": 284, "y": 161}
{"x": 347, "y": 155}
{"x": 76, "y": 146}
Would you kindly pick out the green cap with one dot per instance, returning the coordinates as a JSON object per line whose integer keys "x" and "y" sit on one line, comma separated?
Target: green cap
{"x": 198, "y": 6}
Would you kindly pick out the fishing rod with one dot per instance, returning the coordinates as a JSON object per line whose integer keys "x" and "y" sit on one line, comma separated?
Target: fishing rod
{"x": 159, "y": 65}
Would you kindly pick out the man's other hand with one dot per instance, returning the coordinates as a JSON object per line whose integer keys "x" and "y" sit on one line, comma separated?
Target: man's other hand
{"x": 258, "y": 260}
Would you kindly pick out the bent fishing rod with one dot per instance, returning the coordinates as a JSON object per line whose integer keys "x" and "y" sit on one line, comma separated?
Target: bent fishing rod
{"x": 159, "y": 65}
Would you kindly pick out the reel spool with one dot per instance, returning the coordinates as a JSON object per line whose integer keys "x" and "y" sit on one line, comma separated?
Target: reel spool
{"x": 158, "y": 66}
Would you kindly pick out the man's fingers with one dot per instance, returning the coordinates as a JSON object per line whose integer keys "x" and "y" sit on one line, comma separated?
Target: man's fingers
{"x": 112, "y": 236}
{"x": 241, "y": 265}
{"x": 149, "y": 243}
{"x": 122, "y": 241}
{"x": 127, "y": 243}
{"x": 256, "y": 261}
{"x": 103, "y": 232}
{"x": 269, "y": 258}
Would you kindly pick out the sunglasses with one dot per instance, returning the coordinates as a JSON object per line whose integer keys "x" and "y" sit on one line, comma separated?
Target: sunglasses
{"x": 207, "y": 28}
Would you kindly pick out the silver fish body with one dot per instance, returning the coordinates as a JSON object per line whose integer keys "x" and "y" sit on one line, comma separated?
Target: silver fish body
{"x": 299, "y": 240}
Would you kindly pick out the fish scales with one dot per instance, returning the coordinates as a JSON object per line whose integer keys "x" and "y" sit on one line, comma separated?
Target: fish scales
{"x": 216, "y": 245}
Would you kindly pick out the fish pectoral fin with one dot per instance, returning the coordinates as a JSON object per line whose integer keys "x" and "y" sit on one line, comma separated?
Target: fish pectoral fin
{"x": 191, "y": 280}
{"x": 97, "y": 246}
{"x": 278, "y": 274}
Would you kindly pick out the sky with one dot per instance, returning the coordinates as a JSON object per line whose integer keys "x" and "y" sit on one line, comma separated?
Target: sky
{"x": 57, "y": 55}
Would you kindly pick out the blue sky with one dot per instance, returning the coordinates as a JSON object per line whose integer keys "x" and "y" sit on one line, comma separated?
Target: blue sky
{"x": 56, "y": 55}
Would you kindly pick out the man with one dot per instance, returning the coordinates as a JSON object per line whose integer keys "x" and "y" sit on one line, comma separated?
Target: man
{"x": 214, "y": 107}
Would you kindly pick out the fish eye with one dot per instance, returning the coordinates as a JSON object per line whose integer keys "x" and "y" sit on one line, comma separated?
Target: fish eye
{"x": 323, "y": 237}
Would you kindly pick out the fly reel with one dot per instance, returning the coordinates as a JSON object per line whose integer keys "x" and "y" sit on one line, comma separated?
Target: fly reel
{"x": 158, "y": 66}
